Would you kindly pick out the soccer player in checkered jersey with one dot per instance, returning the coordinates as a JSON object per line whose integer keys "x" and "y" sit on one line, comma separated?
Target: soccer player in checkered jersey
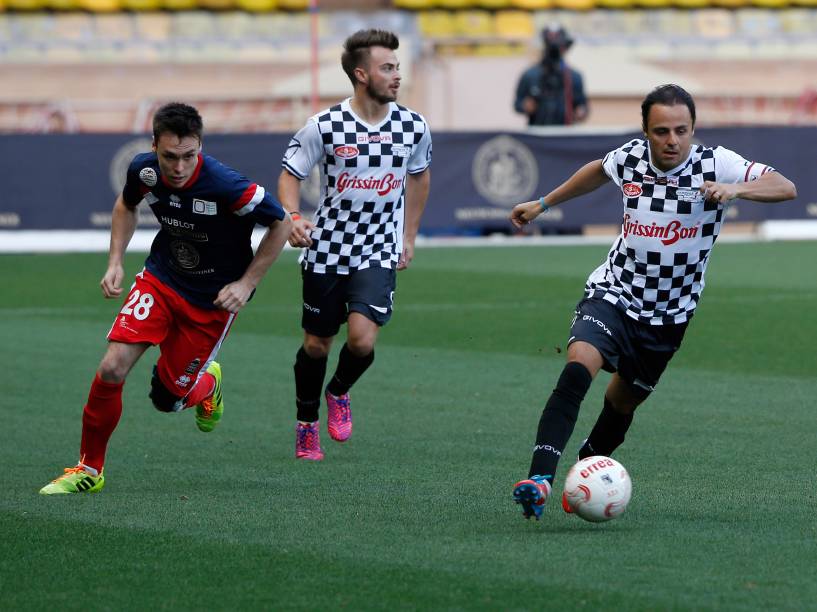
{"x": 637, "y": 304}
{"x": 375, "y": 177}
{"x": 200, "y": 272}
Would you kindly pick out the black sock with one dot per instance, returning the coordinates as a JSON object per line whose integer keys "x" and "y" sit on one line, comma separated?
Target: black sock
{"x": 309, "y": 375}
{"x": 350, "y": 368}
{"x": 608, "y": 432}
{"x": 558, "y": 419}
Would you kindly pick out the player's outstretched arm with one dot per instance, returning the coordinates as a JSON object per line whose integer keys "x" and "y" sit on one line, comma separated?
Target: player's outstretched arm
{"x": 588, "y": 178}
{"x": 123, "y": 225}
{"x": 289, "y": 194}
{"x": 417, "y": 188}
{"x": 771, "y": 187}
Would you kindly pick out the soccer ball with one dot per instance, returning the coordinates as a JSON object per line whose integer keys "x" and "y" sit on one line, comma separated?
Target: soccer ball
{"x": 597, "y": 489}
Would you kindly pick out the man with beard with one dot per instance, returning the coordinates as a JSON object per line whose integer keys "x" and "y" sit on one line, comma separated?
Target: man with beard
{"x": 375, "y": 157}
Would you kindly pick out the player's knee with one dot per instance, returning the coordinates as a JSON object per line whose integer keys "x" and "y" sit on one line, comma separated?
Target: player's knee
{"x": 317, "y": 347}
{"x": 163, "y": 400}
{"x": 112, "y": 372}
{"x": 360, "y": 346}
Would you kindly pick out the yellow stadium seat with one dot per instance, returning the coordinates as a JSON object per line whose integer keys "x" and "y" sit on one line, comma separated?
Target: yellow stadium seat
{"x": 772, "y": 4}
{"x": 806, "y": 3}
{"x": 514, "y": 24}
{"x": 101, "y": 6}
{"x": 493, "y": 5}
{"x": 532, "y": 5}
{"x": 216, "y": 5}
{"x": 730, "y": 4}
{"x": 256, "y": 6}
{"x": 653, "y": 4}
{"x": 26, "y": 5}
{"x": 455, "y": 5}
{"x": 615, "y": 4}
{"x": 178, "y": 5}
{"x": 691, "y": 4}
{"x": 437, "y": 24}
{"x": 474, "y": 23}
{"x": 64, "y": 5}
{"x": 294, "y": 5}
{"x": 141, "y": 5}
{"x": 414, "y": 5}
{"x": 575, "y": 5}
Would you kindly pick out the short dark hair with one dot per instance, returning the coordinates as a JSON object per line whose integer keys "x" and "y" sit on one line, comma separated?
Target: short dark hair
{"x": 357, "y": 48}
{"x": 667, "y": 95}
{"x": 177, "y": 118}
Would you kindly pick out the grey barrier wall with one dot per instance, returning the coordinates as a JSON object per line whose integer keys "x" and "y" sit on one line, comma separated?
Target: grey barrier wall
{"x": 71, "y": 181}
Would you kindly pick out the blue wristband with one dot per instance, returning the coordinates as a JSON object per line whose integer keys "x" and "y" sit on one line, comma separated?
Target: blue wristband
{"x": 543, "y": 205}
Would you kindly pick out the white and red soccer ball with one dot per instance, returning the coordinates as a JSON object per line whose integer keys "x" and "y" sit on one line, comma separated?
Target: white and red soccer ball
{"x": 597, "y": 489}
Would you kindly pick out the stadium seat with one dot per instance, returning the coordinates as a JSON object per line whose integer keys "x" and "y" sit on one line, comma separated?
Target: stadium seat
{"x": 615, "y": 4}
{"x": 101, "y": 6}
{"x": 256, "y": 6}
{"x": 532, "y": 5}
{"x": 294, "y": 5}
{"x": 691, "y": 4}
{"x": 436, "y": 24}
{"x": 141, "y": 5}
{"x": 63, "y": 5}
{"x": 771, "y": 4}
{"x": 514, "y": 24}
{"x": 178, "y": 5}
{"x": 474, "y": 23}
{"x": 26, "y": 5}
{"x": 575, "y": 5}
{"x": 730, "y": 4}
{"x": 493, "y": 5}
{"x": 414, "y": 5}
{"x": 653, "y": 4}
{"x": 216, "y": 5}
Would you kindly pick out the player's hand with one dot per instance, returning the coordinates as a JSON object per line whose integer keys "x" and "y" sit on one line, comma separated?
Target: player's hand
{"x": 234, "y": 296}
{"x": 111, "y": 282}
{"x": 719, "y": 192}
{"x": 300, "y": 234}
{"x": 524, "y": 213}
{"x": 407, "y": 255}
{"x": 529, "y": 105}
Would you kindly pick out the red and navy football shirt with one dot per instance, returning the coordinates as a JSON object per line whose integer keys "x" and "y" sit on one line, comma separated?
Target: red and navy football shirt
{"x": 206, "y": 225}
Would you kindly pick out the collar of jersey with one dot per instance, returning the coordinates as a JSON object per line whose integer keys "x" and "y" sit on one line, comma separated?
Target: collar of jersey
{"x": 191, "y": 180}
{"x": 347, "y": 106}
{"x": 672, "y": 170}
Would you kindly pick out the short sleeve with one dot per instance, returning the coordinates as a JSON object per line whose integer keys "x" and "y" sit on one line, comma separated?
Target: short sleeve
{"x": 612, "y": 164}
{"x": 421, "y": 155}
{"x": 304, "y": 151}
{"x": 132, "y": 192}
{"x": 732, "y": 168}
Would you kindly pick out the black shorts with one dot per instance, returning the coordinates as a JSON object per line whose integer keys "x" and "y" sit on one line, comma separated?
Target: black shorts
{"x": 329, "y": 298}
{"x": 639, "y": 352}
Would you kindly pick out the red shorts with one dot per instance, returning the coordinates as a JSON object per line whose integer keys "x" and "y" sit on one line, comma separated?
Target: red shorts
{"x": 188, "y": 336}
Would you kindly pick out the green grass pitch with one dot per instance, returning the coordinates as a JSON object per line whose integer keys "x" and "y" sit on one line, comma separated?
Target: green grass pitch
{"x": 414, "y": 512}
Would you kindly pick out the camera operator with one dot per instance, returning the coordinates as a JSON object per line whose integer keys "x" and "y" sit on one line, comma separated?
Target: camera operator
{"x": 551, "y": 92}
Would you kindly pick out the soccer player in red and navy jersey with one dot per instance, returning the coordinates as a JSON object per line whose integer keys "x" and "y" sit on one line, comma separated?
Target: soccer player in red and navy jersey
{"x": 638, "y": 302}
{"x": 200, "y": 272}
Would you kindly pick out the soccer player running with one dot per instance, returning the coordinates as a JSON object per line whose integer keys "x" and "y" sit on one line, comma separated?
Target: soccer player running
{"x": 375, "y": 177}
{"x": 200, "y": 272}
{"x": 638, "y": 303}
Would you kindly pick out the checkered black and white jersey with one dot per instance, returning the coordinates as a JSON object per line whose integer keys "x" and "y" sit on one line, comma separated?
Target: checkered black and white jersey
{"x": 655, "y": 269}
{"x": 359, "y": 221}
